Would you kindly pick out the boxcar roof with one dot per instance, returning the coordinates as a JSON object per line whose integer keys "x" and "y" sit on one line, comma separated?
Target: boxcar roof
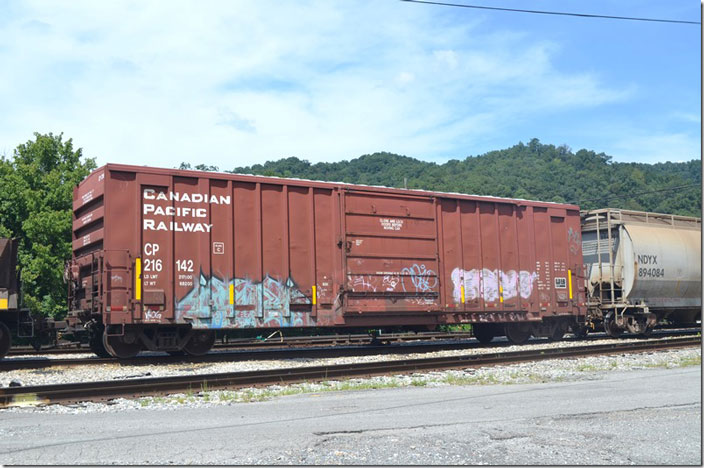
{"x": 324, "y": 184}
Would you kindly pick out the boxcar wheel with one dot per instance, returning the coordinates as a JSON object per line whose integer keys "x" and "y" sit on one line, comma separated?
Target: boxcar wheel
{"x": 517, "y": 333}
{"x": 559, "y": 332}
{"x": 96, "y": 345}
{"x": 122, "y": 347}
{"x": 5, "y": 340}
{"x": 200, "y": 343}
{"x": 484, "y": 333}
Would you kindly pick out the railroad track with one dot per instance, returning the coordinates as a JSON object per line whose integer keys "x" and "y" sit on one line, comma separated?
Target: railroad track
{"x": 247, "y": 355}
{"x": 291, "y": 341}
{"x": 306, "y": 349}
{"x": 323, "y": 340}
{"x": 106, "y": 390}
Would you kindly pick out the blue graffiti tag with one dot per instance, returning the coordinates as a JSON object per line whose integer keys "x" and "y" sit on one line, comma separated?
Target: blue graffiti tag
{"x": 423, "y": 279}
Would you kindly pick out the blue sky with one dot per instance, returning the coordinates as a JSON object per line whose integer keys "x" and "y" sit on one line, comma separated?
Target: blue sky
{"x": 233, "y": 83}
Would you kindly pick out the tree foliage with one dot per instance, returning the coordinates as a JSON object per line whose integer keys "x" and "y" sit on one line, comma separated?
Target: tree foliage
{"x": 36, "y": 193}
{"x": 198, "y": 167}
{"x": 532, "y": 171}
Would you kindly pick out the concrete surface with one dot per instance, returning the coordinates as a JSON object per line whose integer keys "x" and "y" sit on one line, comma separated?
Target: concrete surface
{"x": 638, "y": 417}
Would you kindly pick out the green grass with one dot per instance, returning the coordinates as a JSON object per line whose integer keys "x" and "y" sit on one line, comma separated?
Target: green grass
{"x": 681, "y": 361}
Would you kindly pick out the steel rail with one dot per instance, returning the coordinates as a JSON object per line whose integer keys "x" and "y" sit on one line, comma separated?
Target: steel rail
{"x": 300, "y": 341}
{"x": 310, "y": 352}
{"x": 236, "y": 343}
{"x": 105, "y": 390}
{"x": 248, "y": 355}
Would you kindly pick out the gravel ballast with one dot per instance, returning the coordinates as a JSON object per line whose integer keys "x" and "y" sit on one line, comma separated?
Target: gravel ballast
{"x": 557, "y": 370}
{"x": 91, "y": 373}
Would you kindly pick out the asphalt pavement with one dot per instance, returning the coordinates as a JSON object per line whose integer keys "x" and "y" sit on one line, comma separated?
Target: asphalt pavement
{"x": 638, "y": 417}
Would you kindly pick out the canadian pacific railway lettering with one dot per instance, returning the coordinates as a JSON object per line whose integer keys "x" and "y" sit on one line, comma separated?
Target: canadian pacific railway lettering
{"x": 152, "y": 208}
{"x": 175, "y": 211}
{"x": 151, "y": 194}
{"x": 151, "y": 225}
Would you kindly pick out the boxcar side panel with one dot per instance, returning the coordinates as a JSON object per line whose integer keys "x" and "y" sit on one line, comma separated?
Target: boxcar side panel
{"x": 509, "y": 273}
{"x": 247, "y": 253}
{"x": 576, "y": 279}
{"x": 154, "y": 225}
{"x": 221, "y": 255}
{"x": 527, "y": 274}
{"x": 543, "y": 268}
{"x": 326, "y": 254}
{"x": 452, "y": 255}
{"x": 560, "y": 261}
{"x": 239, "y": 252}
{"x": 301, "y": 252}
{"x": 391, "y": 254}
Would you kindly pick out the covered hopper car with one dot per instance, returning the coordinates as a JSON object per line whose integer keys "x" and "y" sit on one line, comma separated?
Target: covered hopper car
{"x": 641, "y": 268}
{"x": 163, "y": 258}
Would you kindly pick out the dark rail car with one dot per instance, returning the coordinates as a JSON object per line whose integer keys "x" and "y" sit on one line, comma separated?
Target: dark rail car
{"x": 162, "y": 258}
{"x": 11, "y": 316}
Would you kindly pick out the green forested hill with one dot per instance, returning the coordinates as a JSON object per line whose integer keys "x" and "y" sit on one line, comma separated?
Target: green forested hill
{"x": 533, "y": 171}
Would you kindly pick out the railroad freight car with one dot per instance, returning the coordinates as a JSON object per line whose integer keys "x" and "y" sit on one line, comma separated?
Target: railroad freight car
{"x": 641, "y": 268}
{"x": 163, "y": 258}
{"x": 12, "y": 317}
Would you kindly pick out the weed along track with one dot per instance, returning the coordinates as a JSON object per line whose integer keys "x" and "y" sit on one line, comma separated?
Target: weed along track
{"x": 106, "y": 390}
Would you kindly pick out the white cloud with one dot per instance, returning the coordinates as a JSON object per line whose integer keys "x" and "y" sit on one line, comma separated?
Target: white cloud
{"x": 686, "y": 117}
{"x": 655, "y": 148}
{"x": 234, "y": 83}
{"x": 405, "y": 78}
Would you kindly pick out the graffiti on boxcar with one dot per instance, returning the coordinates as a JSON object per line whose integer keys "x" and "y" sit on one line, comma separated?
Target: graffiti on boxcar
{"x": 390, "y": 281}
{"x": 152, "y": 315}
{"x": 526, "y": 283}
{"x": 498, "y": 317}
{"x": 416, "y": 278}
{"x": 485, "y": 283}
{"x": 256, "y": 304}
{"x": 362, "y": 283}
{"x": 421, "y": 278}
{"x": 574, "y": 241}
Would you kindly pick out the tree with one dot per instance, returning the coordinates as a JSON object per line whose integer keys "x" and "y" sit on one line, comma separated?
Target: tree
{"x": 36, "y": 201}
{"x": 199, "y": 167}
{"x": 534, "y": 171}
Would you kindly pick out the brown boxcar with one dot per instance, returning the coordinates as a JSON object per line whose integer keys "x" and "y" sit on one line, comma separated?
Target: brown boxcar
{"x": 163, "y": 257}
